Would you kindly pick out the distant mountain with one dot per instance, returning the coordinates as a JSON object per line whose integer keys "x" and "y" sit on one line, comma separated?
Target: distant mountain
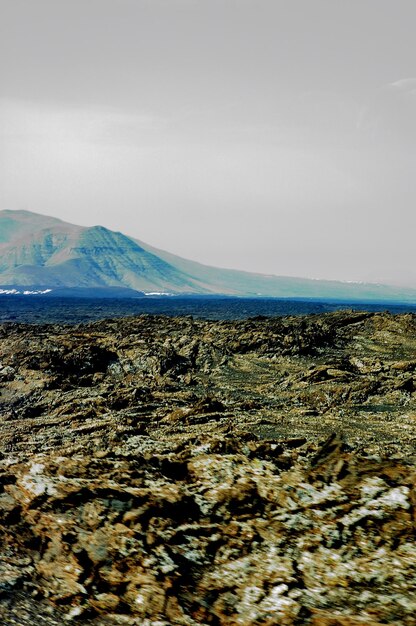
{"x": 40, "y": 252}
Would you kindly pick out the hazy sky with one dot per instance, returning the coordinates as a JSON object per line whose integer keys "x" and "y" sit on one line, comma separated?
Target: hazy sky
{"x": 276, "y": 136}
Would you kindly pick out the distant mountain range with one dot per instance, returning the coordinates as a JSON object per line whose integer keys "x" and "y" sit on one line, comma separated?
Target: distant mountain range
{"x": 38, "y": 252}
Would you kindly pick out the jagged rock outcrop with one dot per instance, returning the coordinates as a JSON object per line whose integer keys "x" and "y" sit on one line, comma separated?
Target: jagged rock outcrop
{"x": 160, "y": 471}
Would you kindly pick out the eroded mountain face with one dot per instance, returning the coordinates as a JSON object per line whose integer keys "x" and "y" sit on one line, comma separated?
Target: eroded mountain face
{"x": 161, "y": 471}
{"x": 41, "y": 253}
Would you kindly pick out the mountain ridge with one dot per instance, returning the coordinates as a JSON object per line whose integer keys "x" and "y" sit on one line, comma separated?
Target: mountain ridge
{"x": 47, "y": 252}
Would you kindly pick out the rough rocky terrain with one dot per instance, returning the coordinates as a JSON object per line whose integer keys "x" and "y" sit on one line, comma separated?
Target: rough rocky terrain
{"x": 168, "y": 471}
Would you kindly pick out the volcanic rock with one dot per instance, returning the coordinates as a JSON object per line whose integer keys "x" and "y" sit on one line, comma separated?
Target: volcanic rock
{"x": 169, "y": 471}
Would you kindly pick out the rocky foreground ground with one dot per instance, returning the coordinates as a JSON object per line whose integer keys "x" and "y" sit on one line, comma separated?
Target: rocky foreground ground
{"x": 158, "y": 471}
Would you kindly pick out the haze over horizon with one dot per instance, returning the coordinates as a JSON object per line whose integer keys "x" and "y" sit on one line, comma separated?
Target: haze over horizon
{"x": 263, "y": 135}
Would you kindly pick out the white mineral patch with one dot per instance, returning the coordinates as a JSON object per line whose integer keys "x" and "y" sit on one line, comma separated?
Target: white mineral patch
{"x": 202, "y": 449}
{"x": 73, "y": 613}
{"x": 372, "y": 487}
{"x": 10, "y": 460}
{"x": 276, "y": 601}
{"x": 37, "y": 484}
{"x": 396, "y": 498}
{"x": 36, "y": 468}
{"x": 308, "y": 494}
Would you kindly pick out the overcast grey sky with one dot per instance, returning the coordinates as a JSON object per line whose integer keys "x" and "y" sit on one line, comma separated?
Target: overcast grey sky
{"x": 276, "y": 136}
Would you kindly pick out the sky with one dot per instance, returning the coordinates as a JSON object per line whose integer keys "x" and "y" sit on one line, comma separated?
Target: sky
{"x": 274, "y": 136}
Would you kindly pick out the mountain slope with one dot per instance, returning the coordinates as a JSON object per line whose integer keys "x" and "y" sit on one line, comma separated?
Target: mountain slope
{"x": 50, "y": 253}
{"x": 41, "y": 251}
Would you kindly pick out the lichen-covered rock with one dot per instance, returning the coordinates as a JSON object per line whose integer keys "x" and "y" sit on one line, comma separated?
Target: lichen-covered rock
{"x": 189, "y": 476}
